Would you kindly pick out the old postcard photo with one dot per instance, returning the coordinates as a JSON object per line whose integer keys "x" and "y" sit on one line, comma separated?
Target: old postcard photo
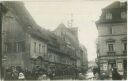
{"x": 63, "y": 40}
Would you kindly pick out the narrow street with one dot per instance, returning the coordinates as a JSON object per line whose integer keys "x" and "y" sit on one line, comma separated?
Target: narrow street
{"x": 89, "y": 75}
{"x": 63, "y": 40}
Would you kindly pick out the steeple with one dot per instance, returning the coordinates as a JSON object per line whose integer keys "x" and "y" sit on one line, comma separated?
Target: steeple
{"x": 70, "y": 22}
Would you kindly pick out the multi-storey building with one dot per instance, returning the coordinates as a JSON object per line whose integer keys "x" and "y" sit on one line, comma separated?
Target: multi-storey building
{"x": 112, "y": 38}
{"x": 19, "y": 32}
{"x": 70, "y": 36}
{"x": 27, "y": 45}
{"x": 84, "y": 58}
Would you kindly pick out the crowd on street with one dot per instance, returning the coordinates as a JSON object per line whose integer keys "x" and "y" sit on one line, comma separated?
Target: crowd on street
{"x": 17, "y": 73}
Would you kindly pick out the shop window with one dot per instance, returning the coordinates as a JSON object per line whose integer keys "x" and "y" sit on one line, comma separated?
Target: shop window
{"x": 120, "y": 67}
{"x": 104, "y": 66}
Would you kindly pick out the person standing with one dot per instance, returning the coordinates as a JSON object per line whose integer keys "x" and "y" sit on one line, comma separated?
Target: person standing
{"x": 43, "y": 77}
{"x": 21, "y": 76}
{"x": 116, "y": 75}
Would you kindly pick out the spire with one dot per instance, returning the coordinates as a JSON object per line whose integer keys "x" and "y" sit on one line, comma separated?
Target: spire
{"x": 70, "y": 22}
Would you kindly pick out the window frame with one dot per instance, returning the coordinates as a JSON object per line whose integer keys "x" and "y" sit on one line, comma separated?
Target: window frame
{"x": 39, "y": 48}
{"x": 125, "y": 46}
{"x": 110, "y": 30}
{"x": 123, "y": 15}
{"x": 110, "y": 47}
{"x": 35, "y": 47}
{"x": 108, "y": 16}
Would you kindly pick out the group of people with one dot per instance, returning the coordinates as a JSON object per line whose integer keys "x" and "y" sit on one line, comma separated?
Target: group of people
{"x": 17, "y": 73}
{"x": 104, "y": 76}
{"x": 38, "y": 73}
{"x": 14, "y": 73}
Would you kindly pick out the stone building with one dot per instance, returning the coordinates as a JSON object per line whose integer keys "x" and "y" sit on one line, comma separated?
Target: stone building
{"x": 27, "y": 45}
{"x": 70, "y": 36}
{"x": 19, "y": 31}
{"x": 84, "y": 58}
{"x": 112, "y": 38}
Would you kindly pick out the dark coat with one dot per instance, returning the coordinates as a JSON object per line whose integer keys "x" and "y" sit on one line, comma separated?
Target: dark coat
{"x": 116, "y": 75}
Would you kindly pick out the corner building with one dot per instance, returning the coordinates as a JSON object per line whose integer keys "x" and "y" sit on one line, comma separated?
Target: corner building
{"x": 112, "y": 38}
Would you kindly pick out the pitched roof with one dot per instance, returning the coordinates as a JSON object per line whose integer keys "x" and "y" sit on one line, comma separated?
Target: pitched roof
{"x": 18, "y": 8}
{"x": 62, "y": 28}
{"x": 29, "y": 25}
{"x": 116, "y": 4}
{"x": 26, "y": 20}
{"x": 115, "y": 9}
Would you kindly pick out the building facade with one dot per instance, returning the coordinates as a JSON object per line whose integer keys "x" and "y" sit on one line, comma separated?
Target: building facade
{"x": 27, "y": 45}
{"x": 70, "y": 36}
{"x": 84, "y": 58}
{"x": 112, "y": 38}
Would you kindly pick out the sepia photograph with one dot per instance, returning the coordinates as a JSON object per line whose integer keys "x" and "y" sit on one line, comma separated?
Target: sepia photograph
{"x": 63, "y": 40}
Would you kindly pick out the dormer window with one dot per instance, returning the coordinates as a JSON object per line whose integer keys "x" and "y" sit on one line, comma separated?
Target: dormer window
{"x": 108, "y": 16}
{"x": 122, "y": 4}
{"x": 123, "y": 15}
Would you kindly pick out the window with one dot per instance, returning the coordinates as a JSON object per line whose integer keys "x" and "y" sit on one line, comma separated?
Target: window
{"x": 108, "y": 16}
{"x": 39, "y": 48}
{"x": 110, "y": 30}
{"x": 35, "y": 47}
{"x": 22, "y": 46}
{"x": 122, "y": 4}
{"x": 110, "y": 47}
{"x": 6, "y": 47}
{"x": 18, "y": 47}
{"x": 123, "y": 15}
{"x": 43, "y": 48}
{"x": 125, "y": 46}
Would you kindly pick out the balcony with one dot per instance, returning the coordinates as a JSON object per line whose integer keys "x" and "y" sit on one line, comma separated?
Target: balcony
{"x": 111, "y": 53}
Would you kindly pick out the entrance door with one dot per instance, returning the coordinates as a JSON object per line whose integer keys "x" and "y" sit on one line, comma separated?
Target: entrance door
{"x": 112, "y": 64}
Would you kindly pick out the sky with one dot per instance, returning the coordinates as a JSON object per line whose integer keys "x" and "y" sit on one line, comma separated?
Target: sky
{"x": 49, "y": 14}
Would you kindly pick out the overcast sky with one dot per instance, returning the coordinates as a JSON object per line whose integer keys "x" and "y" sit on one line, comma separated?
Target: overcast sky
{"x": 49, "y": 14}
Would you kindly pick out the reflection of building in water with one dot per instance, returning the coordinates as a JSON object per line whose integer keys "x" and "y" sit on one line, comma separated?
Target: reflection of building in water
{"x": 112, "y": 39}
